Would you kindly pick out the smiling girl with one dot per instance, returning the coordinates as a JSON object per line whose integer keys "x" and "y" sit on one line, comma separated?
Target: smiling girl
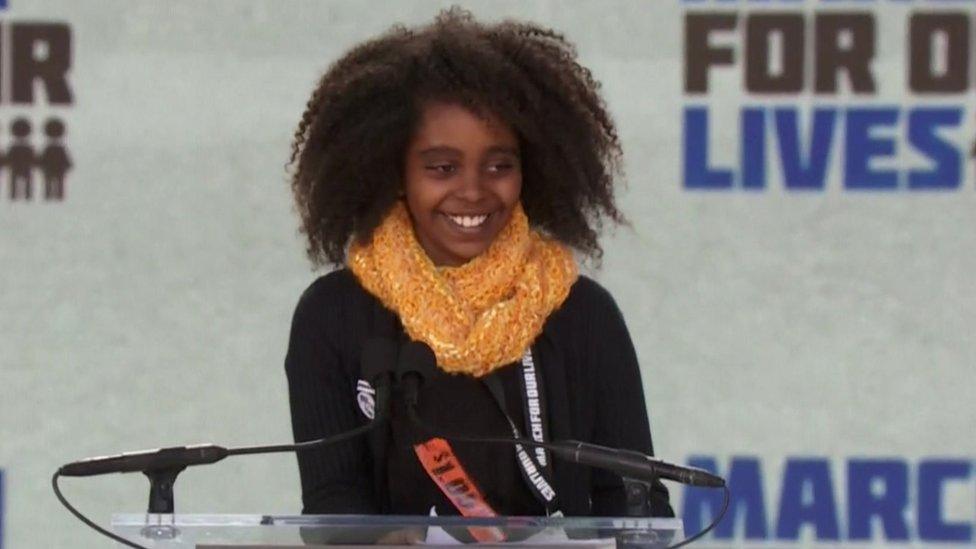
{"x": 450, "y": 170}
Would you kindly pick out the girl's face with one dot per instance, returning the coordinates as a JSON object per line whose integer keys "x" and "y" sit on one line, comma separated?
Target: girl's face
{"x": 462, "y": 179}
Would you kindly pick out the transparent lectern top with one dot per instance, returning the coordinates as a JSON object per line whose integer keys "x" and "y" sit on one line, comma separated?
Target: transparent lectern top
{"x": 311, "y": 531}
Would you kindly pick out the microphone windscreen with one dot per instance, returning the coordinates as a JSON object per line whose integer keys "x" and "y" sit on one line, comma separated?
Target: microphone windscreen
{"x": 416, "y": 357}
{"x": 379, "y": 359}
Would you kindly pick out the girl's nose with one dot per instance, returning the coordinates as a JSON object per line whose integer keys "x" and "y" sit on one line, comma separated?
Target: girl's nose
{"x": 472, "y": 188}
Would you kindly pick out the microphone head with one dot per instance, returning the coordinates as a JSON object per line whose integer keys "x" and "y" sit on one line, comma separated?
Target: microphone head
{"x": 418, "y": 359}
{"x": 417, "y": 364}
{"x": 378, "y": 360}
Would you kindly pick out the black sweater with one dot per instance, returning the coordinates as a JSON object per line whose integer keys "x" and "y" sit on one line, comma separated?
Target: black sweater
{"x": 587, "y": 366}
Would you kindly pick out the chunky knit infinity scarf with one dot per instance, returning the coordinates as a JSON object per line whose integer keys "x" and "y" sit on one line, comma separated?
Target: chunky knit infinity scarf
{"x": 478, "y": 316}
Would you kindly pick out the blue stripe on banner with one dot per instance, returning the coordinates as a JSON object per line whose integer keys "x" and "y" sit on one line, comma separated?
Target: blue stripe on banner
{"x": 3, "y": 5}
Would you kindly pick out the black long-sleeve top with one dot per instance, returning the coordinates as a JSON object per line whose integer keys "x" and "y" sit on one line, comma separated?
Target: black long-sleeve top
{"x": 591, "y": 380}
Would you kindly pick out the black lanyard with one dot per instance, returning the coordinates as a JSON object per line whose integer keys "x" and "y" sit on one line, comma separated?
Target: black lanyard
{"x": 534, "y": 405}
{"x": 535, "y": 465}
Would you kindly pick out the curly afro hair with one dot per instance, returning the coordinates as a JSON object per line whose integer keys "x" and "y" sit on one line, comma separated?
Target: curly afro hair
{"x": 348, "y": 151}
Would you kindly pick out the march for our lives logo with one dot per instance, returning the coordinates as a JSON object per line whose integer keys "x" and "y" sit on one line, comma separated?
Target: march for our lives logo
{"x": 809, "y": 104}
{"x": 34, "y": 156}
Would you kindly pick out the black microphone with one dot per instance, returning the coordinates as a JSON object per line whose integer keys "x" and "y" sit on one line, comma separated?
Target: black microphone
{"x": 632, "y": 464}
{"x": 146, "y": 460}
{"x": 377, "y": 367}
{"x": 416, "y": 364}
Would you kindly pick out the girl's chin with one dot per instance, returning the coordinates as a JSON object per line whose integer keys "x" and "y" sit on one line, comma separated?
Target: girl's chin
{"x": 455, "y": 254}
{"x": 460, "y": 256}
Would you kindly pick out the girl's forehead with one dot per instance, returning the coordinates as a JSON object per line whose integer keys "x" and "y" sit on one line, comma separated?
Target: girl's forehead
{"x": 442, "y": 123}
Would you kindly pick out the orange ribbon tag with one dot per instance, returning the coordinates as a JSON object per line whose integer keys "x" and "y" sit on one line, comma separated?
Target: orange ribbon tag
{"x": 444, "y": 468}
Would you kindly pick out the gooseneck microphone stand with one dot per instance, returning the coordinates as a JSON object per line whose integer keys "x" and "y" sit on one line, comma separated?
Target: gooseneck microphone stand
{"x": 164, "y": 465}
{"x": 170, "y": 462}
{"x": 162, "y": 477}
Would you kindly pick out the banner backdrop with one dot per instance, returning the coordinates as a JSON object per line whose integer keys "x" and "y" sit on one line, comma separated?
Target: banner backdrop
{"x": 797, "y": 276}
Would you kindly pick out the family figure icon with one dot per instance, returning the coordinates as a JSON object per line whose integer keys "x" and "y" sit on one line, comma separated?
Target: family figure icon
{"x": 20, "y": 160}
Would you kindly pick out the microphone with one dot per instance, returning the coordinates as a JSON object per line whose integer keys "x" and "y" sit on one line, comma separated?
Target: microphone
{"x": 632, "y": 464}
{"x": 163, "y": 465}
{"x": 377, "y": 367}
{"x": 417, "y": 362}
{"x": 146, "y": 460}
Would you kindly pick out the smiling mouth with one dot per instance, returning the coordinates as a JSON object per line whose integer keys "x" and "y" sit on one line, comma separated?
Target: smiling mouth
{"x": 468, "y": 221}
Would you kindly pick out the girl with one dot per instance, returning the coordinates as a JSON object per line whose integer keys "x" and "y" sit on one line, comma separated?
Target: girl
{"x": 451, "y": 169}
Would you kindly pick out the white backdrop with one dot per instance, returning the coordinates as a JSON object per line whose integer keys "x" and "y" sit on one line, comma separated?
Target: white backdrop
{"x": 151, "y": 306}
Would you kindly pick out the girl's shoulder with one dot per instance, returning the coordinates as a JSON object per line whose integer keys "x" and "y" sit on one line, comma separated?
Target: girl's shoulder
{"x": 333, "y": 299}
{"x": 585, "y": 313}
{"x": 333, "y": 285}
{"x": 588, "y": 295}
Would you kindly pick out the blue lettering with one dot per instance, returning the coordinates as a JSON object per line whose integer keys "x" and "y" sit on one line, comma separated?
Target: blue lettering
{"x": 803, "y": 478}
{"x": 861, "y": 146}
{"x": 697, "y": 173}
{"x": 865, "y": 478}
{"x": 870, "y": 139}
{"x": 754, "y": 148}
{"x": 809, "y": 173}
{"x": 745, "y": 482}
{"x": 931, "y": 524}
{"x": 923, "y": 124}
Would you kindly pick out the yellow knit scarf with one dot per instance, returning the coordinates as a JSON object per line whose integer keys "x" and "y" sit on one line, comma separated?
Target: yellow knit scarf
{"x": 478, "y": 316}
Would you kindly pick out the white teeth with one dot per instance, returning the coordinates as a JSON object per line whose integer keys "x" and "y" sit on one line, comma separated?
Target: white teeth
{"x": 468, "y": 220}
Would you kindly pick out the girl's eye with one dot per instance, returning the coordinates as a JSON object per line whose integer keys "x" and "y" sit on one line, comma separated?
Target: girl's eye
{"x": 442, "y": 169}
{"x": 500, "y": 167}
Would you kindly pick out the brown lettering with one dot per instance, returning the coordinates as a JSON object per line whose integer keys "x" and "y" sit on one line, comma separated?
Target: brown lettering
{"x": 759, "y": 30}
{"x": 922, "y": 74}
{"x": 50, "y": 69}
{"x": 699, "y": 55}
{"x": 443, "y": 469}
{"x": 832, "y": 56}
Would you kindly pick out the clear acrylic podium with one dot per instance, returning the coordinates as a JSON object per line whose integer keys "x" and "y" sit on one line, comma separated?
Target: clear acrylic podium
{"x": 311, "y": 531}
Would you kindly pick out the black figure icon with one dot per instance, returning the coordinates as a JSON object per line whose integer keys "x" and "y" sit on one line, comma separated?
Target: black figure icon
{"x": 54, "y": 160}
{"x": 20, "y": 160}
